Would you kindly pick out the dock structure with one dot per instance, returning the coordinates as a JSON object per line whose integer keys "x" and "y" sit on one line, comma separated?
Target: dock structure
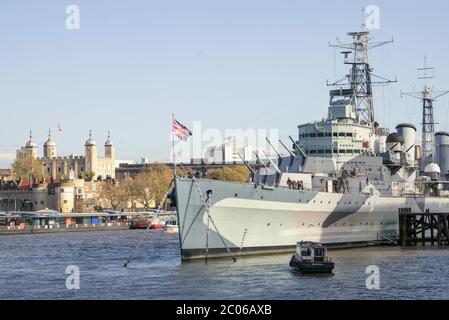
{"x": 424, "y": 229}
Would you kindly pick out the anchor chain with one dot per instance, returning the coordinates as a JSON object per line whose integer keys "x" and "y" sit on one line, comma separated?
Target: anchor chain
{"x": 212, "y": 220}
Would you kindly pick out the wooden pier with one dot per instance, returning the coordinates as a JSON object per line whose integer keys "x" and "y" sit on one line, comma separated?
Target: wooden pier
{"x": 424, "y": 229}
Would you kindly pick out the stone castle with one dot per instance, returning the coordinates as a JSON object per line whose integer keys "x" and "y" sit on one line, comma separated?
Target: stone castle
{"x": 91, "y": 165}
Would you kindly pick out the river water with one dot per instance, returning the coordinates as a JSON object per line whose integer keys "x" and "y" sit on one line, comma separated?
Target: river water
{"x": 34, "y": 266}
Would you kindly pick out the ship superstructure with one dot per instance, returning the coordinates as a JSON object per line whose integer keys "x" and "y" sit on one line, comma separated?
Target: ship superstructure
{"x": 342, "y": 184}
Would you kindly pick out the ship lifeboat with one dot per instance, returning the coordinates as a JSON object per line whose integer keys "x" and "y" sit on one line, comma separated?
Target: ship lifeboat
{"x": 311, "y": 257}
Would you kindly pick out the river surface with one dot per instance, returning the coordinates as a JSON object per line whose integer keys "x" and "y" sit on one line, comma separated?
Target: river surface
{"x": 34, "y": 267}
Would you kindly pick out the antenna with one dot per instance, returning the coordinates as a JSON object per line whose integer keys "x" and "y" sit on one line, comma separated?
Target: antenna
{"x": 360, "y": 79}
{"x": 427, "y": 96}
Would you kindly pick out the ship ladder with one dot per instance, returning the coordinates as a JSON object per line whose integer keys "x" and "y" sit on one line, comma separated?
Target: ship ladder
{"x": 392, "y": 238}
{"x": 141, "y": 242}
{"x": 206, "y": 205}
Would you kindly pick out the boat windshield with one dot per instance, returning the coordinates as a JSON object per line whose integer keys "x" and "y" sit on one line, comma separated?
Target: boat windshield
{"x": 305, "y": 252}
{"x": 319, "y": 252}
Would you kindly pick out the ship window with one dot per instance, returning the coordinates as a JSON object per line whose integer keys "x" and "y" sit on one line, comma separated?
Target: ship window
{"x": 335, "y": 151}
{"x": 341, "y": 134}
{"x": 312, "y": 135}
{"x": 349, "y": 134}
{"x": 341, "y": 151}
{"x": 320, "y": 135}
{"x": 320, "y": 151}
{"x": 335, "y": 134}
{"x": 312, "y": 151}
{"x": 328, "y": 134}
{"x": 328, "y": 151}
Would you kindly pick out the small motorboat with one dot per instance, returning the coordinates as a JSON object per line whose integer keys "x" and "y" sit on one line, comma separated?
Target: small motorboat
{"x": 140, "y": 224}
{"x": 311, "y": 257}
{"x": 157, "y": 223}
{"x": 171, "y": 226}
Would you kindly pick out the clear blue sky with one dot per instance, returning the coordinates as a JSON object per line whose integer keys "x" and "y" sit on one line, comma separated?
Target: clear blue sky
{"x": 229, "y": 63}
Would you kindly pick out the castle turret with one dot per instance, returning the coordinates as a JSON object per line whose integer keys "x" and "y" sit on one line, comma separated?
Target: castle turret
{"x": 31, "y": 147}
{"x": 109, "y": 148}
{"x": 91, "y": 156}
{"x": 49, "y": 147}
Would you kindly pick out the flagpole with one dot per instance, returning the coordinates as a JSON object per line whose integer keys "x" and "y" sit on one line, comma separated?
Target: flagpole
{"x": 173, "y": 144}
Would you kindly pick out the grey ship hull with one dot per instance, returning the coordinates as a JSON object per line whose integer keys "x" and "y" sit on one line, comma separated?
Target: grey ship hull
{"x": 255, "y": 220}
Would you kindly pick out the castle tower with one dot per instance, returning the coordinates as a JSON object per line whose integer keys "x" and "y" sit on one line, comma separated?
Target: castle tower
{"x": 91, "y": 156}
{"x": 31, "y": 147}
{"x": 49, "y": 147}
{"x": 109, "y": 148}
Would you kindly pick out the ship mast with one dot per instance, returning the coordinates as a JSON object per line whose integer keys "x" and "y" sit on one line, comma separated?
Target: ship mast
{"x": 427, "y": 96}
{"x": 360, "y": 78}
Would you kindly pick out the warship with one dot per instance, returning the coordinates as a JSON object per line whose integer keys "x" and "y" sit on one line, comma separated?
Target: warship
{"x": 343, "y": 182}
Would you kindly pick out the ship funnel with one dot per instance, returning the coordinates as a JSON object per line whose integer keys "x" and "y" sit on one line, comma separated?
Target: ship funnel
{"x": 442, "y": 151}
{"x": 408, "y": 132}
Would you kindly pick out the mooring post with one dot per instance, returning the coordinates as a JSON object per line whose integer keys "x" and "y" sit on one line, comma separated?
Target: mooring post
{"x": 432, "y": 227}
{"x": 423, "y": 229}
{"x": 439, "y": 230}
{"x": 402, "y": 229}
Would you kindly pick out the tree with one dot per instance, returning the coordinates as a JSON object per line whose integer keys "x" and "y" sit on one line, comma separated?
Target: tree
{"x": 88, "y": 176}
{"x": 150, "y": 186}
{"x": 114, "y": 195}
{"x": 236, "y": 174}
{"x": 28, "y": 168}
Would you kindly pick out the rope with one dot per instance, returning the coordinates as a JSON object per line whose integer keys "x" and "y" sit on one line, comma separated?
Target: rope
{"x": 212, "y": 220}
{"x": 140, "y": 243}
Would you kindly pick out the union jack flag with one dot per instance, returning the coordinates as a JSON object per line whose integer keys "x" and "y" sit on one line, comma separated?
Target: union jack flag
{"x": 181, "y": 131}
{"x": 59, "y": 127}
